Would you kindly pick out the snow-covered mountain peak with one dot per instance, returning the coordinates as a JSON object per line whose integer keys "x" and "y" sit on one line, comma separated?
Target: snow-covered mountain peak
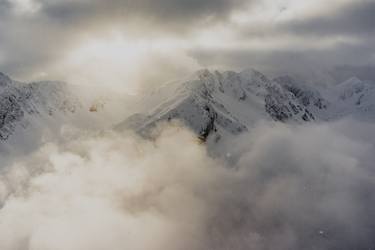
{"x": 350, "y": 82}
{"x": 212, "y": 103}
{"x": 307, "y": 95}
{"x": 253, "y": 74}
{"x": 218, "y": 103}
{"x": 32, "y": 105}
{"x": 4, "y": 79}
{"x": 352, "y": 88}
{"x": 287, "y": 80}
{"x": 202, "y": 73}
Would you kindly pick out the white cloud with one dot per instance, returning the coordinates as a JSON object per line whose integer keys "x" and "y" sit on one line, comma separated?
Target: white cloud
{"x": 25, "y": 7}
{"x": 292, "y": 187}
{"x": 122, "y": 64}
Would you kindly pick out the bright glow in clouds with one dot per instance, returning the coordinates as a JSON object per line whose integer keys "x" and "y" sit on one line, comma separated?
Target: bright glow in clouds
{"x": 125, "y": 65}
{"x": 74, "y": 39}
{"x": 22, "y": 7}
{"x": 291, "y": 187}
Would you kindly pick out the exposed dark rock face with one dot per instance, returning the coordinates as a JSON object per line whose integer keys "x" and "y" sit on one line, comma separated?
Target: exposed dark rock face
{"x": 21, "y": 100}
{"x": 306, "y": 96}
{"x": 204, "y": 104}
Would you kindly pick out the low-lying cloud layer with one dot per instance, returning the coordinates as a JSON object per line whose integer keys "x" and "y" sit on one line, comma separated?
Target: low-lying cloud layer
{"x": 290, "y": 187}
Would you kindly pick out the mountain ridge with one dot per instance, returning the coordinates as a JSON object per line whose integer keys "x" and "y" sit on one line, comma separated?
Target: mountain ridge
{"x": 212, "y": 104}
{"x": 216, "y": 103}
{"x": 22, "y": 104}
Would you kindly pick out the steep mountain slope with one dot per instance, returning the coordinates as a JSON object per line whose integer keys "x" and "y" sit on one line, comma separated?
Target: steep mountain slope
{"x": 212, "y": 104}
{"x": 307, "y": 96}
{"x": 223, "y": 103}
{"x": 355, "y": 97}
{"x": 24, "y": 106}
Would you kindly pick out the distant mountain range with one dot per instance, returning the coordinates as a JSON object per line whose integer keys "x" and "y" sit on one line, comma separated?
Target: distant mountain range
{"x": 212, "y": 104}
{"x": 216, "y": 104}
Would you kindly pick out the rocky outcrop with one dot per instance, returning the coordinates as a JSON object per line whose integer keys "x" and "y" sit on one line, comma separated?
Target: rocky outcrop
{"x": 21, "y": 102}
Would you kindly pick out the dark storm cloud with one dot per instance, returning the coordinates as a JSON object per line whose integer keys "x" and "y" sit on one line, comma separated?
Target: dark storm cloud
{"x": 29, "y": 42}
{"x": 340, "y": 62}
{"x": 356, "y": 18}
{"x": 169, "y": 13}
{"x": 348, "y": 30}
{"x": 4, "y": 6}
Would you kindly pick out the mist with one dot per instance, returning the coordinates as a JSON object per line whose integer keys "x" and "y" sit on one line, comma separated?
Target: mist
{"x": 290, "y": 186}
{"x": 278, "y": 165}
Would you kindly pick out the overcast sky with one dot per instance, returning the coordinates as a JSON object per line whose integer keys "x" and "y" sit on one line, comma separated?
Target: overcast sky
{"x": 143, "y": 40}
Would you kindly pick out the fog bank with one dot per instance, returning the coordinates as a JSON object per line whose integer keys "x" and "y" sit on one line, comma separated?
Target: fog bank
{"x": 291, "y": 187}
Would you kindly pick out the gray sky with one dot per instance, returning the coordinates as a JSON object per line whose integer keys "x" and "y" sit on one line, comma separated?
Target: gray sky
{"x": 136, "y": 42}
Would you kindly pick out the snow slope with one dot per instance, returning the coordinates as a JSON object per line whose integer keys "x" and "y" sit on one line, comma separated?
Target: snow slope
{"x": 26, "y": 108}
{"x": 211, "y": 103}
{"x": 222, "y": 103}
{"x": 215, "y": 104}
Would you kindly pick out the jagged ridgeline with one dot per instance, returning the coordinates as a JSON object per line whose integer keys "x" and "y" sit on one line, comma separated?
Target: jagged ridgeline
{"x": 214, "y": 104}
{"x": 22, "y": 104}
